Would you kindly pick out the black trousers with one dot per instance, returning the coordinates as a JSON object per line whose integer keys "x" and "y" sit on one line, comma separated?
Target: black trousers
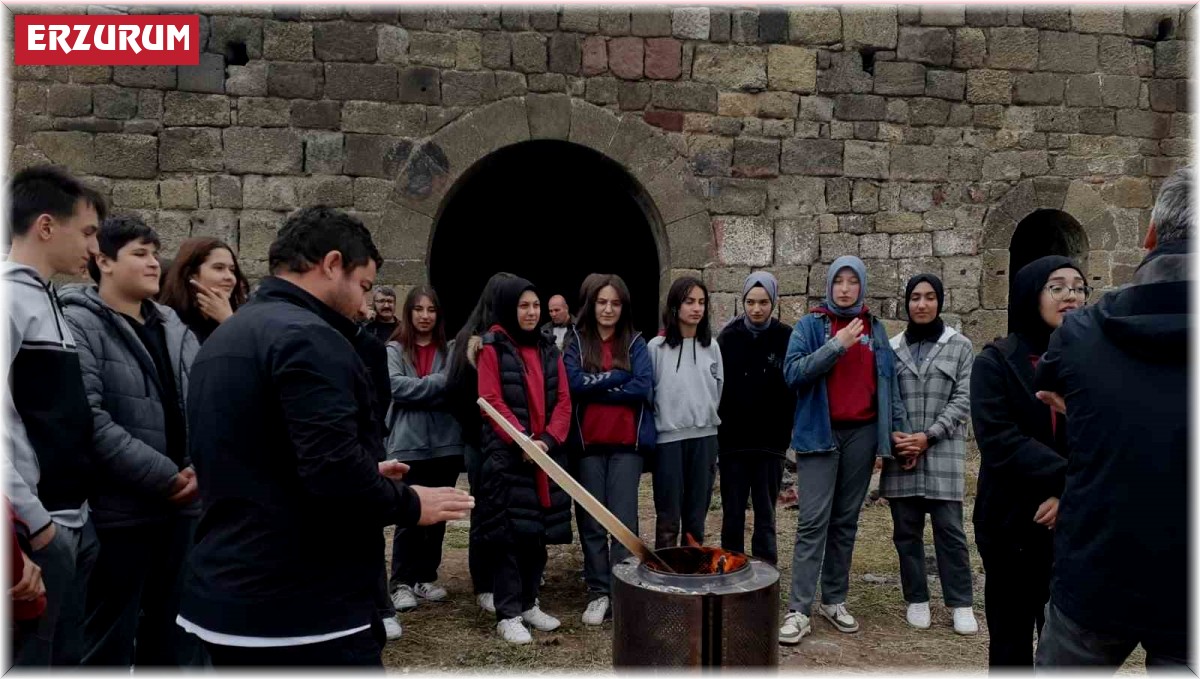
{"x": 1066, "y": 644}
{"x": 133, "y": 598}
{"x": 684, "y": 472}
{"x": 480, "y": 561}
{"x": 417, "y": 550}
{"x": 361, "y": 649}
{"x": 1015, "y": 591}
{"x": 518, "y": 578}
{"x": 750, "y": 477}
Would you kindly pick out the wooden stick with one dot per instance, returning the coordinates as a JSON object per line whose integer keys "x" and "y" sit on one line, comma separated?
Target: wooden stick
{"x": 577, "y": 492}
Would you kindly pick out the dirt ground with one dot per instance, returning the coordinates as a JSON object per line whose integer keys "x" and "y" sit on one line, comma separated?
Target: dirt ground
{"x": 455, "y": 635}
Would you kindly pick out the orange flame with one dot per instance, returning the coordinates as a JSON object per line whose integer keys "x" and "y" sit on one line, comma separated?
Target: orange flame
{"x": 701, "y": 560}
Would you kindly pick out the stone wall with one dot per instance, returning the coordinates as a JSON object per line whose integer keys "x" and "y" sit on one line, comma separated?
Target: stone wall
{"x": 915, "y": 137}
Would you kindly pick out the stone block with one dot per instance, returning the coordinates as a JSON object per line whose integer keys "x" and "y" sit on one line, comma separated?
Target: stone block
{"x": 1119, "y": 56}
{"x": 796, "y": 241}
{"x": 1098, "y": 19}
{"x": 772, "y": 25}
{"x": 690, "y": 23}
{"x": 187, "y": 109}
{"x": 614, "y": 21}
{"x": 1163, "y": 95}
{"x": 816, "y": 157}
{"x": 927, "y": 163}
{"x": 316, "y": 114}
{"x": 334, "y": 191}
{"x": 898, "y": 222}
{"x": 595, "y": 55}
{"x": 860, "y": 107}
{"x": 743, "y": 28}
{"x": 288, "y": 41}
{"x": 1097, "y": 121}
{"x": 1083, "y": 90}
{"x": 945, "y": 84}
{"x": 866, "y": 159}
{"x": 262, "y": 151}
{"x": 816, "y": 108}
{"x": 808, "y": 25}
{"x": 719, "y": 24}
{"x": 864, "y": 26}
{"x": 906, "y": 245}
{"x": 792, "y": 68}
{"x": 1120, "y": 91}
{"x": 579, "y": 19}
{"x": 107, "y": 102}
{"x": 155, "y": 77}
{"x": 791, "y": 197}
{"x": 221, "y": 224}
{"x": 924, "y": 111}
{"x": 375, "y": 155}
{"x": 1147, "y": 22}
{"x": 989, "y": 87}
{"x": 261, "y": 112}
{"x": 755, "y": 157}
{"x": 368, "y": 82}
{"x": 324, "y": 152}
{"x": 371, "y": 117}
{"x": 269, "y": 193}
{"x": 1049, "y": 18}
{"x": 1069, "y": 52}
{"x": 856, "y": 224}
{"x": 663, "y": 58}
{"x": 135, "y": 193}
{"x": 650, "y": 23}
{"x": 1149, "y": 124}
{"x": 566, "y": 53}
{"x": 834, "y": 245}
{"x": 970, "y": 48}
{"x": 1038, "y": 88}
{"x": 874, "y": 246}
{"x": 294, "y": 80}
{"x": 934, "y": 46}
{"x": 685, "y": 96}
{"x": 1013, "y": 48}
{"x": 776, "y": 105}
{"x": 529, "y": 52}
{"x": 737, "y": 196}
{"x": 626, "y": 57}
{"x": 433, "y": 49}
{"x": 633, "y": 96}
{"x": 345, "y": 41}
{"x": 253, "y": 79}
{"x": 943, "y": 15}
{"x": 899, "y": 78}
{"x": 227, "y": 31}
{"x": 467, "y": 88}
{"x": 733, "y": 67}
{"x": 127, "y": 155}
{"x": 710, "y": 155}
{"x": 1171, "y": 59}
{"x": 985, "y": 16}
{"x": 844, "y": 75}
{"x": 184, "y": 149}
{"x": 955, "y": 242}
{"x": 603, "y": 91}
{"x": 207, "y": 76}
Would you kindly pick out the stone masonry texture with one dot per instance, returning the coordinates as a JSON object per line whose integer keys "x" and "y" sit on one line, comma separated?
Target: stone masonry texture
{"x": 766, "y": 138}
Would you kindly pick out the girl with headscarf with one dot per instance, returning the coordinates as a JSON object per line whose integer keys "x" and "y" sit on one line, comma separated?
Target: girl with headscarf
{"x": 1023, "y": 451}
{"x": 933, "y": 366}
{"x": 521, "y": 375}
{"x": 756, "y": 417}
{"x": 848, "y": 409}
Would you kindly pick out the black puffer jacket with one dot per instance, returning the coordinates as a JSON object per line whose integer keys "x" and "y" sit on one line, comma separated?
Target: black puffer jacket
{"x": 507, "y": 503}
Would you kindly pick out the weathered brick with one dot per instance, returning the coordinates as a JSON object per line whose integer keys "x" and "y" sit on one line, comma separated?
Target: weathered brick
{"x": 934, "y": 46}
{"x": 650, "y": 23}
{"x": 1083, "y": 90}
{"x": 1013, "y": 48}
{"x": 755, "y": 157}
{"x": 287, "y": 41}
{"x": 690, "y": 23}
{"x": 1098, "y": 19}
{"x": 614, "y": 21}
{"x": 1150, "y": 124}
{"x": 432, "y": 49}
{"x": 529, "y": 52}
{"x": 369, "y": 82}
{"x": 743, "y": 28}
{"x": 566, "y": 53}
{"x": 684, "y": 96}
{"x": 391, "y": 44}
{"x": 1120, "y": 91}
{"x": 663, "y": 58}
{"x": 1048, "y": 18}
{"x": 733, "y": 67}
{"x": 1038, "y": 88}
{"x": 183, "y": 149}
{"x": 796, "y": 241}
{"x": 814, "y": 25}
{"x": 294, "y": 80}
{"x": 1171, "y": 59}
{"x": 744, "y": 240}
{"x": 1069, "y": 52}
{"x": 811, "y": 157}
{"x": 376, "y": 155}
{"x": 945, "y": 85}
{"x": 860, "y": 107}
{"x": 866, "y": 159}
{"x": 791, "y": 68}
{"x": 899, "y": 78}
{"x": 989, "y": 87}
{"x": 925, "y": 111}
{"x": 372, "y": 117}
{"x": 864, "y": 26}
{"x": 325, "y": 152}
{"x": 261, "y": 150}
{"x": 579, "y": 19}
{"x": 595, "y": 55}
{"x": 262, "y": 112}
{"x": 912, "y": 245}
{"x": 970, "y": 48}
{"x": 898, "y": 222}
{"x": 927, "y": 163}
{"x": 710, "y": 156}
{"x": 127, "y": 155}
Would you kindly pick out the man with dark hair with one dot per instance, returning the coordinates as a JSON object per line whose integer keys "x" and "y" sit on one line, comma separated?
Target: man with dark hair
{"x": 1119, "y": 371}
{"x": 285, "y": 569}
{"x": 136, "y": 356}
{"x": 384, "y": 323}
{"x": 53, "y": 221}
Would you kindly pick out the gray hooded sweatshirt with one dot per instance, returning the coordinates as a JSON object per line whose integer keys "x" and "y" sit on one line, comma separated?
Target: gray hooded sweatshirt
{"x": 47, "y": 417}
{"x": 687, "y": 389}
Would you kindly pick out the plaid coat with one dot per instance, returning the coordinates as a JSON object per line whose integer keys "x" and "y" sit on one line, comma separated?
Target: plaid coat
{"x": 937, "y": 397}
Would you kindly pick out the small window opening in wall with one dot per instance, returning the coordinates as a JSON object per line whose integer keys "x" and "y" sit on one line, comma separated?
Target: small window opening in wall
{"x": 236, "y": 54}
{"x": 1165, "y": 28}
{"x": 868, "y": 59}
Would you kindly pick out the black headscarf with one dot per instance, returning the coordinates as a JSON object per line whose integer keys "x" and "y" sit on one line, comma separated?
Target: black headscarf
{"x": 925, "y": 331}
{"x": 505, "y": 299}
{"x": 1024, "y": 308}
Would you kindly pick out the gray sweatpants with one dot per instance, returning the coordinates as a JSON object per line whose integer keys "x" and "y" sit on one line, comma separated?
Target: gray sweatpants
{"x": 684, "y": 473}
{"x": 830, "y": 489}
{"x": 949, "y": 543}
{"x": 612, "y": 478}
{"x": 66, "y": 565}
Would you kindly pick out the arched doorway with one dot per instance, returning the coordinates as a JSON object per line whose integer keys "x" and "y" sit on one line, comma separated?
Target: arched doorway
{"x": 1046, "y": 232}
{"x": 550, "y": 211}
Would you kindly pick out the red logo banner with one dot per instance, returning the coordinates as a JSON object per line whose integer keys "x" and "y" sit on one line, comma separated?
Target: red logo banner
{"x": 106, "y": 40}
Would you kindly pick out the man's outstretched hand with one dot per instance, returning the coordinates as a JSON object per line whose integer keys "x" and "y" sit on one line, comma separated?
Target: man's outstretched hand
{"x": 393, "y": 469}
{"x": 442, "y": 504}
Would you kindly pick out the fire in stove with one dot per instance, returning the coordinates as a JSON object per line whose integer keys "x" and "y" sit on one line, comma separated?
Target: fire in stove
{"x": 699, "y": 560}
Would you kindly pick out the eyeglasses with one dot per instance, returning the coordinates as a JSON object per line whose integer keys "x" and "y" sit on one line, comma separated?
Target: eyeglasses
{"x": 1060, "y": 292}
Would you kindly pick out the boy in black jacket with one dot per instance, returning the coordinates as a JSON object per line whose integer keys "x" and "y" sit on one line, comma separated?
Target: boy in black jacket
{"x": 757, "y": 410}
{"x": 285, "y": 569}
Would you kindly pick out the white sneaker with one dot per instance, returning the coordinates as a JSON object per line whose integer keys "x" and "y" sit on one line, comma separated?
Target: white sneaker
{"x": 964, "y": 620}
{"x": 840, "y": 618}
{"x": 392, "y": 627}
{"x": 539, "y": 620}
{"x": 486, "y": 601}
{"x": 513, "y": 631}
{"x": 596, "y": 611}
{"x": 795, "y": 627}
{"x": 404, "y": 599}
{"x": 429, "y": 591}
{"x": 918, "y": 615}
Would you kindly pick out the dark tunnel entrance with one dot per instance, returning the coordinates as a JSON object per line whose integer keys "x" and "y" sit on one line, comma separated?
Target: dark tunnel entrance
{"x": 549, "y": 211}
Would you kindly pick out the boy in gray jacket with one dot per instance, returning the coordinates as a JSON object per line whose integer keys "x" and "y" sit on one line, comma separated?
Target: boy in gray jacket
{"x": 53, "y": 220}
{"x": 136, "y": 356}
{"x": 688, "y": 377}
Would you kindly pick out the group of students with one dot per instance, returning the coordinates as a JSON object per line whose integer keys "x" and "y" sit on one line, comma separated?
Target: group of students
{"x": 300, "y": 424}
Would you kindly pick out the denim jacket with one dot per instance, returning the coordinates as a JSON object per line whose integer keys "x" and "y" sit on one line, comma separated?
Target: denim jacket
{"x": 812, "y": 352}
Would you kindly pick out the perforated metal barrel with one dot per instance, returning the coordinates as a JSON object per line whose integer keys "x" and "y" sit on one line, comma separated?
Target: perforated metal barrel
{"x": 666, "y": 620}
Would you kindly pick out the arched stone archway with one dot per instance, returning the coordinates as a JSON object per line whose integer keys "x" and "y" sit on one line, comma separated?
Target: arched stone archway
{"x": 1085, "y": 224}
{"x": 671, "y": 198}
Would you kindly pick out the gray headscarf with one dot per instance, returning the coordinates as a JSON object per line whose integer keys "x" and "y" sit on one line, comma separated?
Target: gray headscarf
{"x": 856, "y": 265}
{"x": 767, "y": 282}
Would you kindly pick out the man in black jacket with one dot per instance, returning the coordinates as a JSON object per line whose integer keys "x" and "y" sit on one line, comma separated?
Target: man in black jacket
{"x": 286, "y": 563}
{"x": 1121, "y": 571}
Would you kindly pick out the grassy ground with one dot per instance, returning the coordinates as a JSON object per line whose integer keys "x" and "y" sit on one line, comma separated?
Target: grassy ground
{"x": 456, "y": 635}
